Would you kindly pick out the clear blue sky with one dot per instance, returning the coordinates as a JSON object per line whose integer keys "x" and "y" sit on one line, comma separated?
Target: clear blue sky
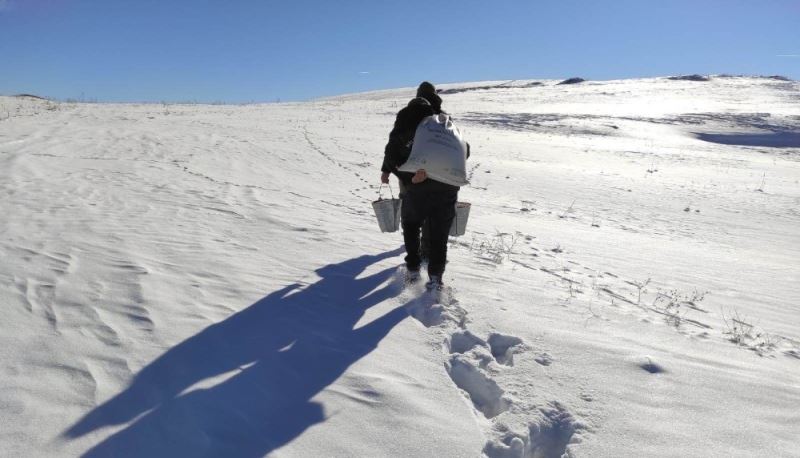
{"x": 239, "y": 51}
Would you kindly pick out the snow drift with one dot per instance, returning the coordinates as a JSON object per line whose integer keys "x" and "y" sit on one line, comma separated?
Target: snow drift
{"x": 196, "y": 280}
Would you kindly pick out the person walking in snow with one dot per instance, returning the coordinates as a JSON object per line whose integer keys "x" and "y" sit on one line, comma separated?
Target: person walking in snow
{"x": 424, "y": 199}
{"x": 401, "y": 139}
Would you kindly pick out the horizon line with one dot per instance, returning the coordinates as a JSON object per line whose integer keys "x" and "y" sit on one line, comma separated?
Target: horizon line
{"x": 277, "y": 100}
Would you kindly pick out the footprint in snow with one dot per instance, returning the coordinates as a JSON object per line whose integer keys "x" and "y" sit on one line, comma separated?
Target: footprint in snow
{"x": 549, "y": 433}
{"x": 504, "y": 347}
{"x": 464, "y": 341}
{"x": 435, "y": 308}
{"x": 485, "y": 394}
{"x": 544, "y": 359}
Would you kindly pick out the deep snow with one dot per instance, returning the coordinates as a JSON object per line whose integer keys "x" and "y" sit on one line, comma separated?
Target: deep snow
{"x": 202, "y": 280}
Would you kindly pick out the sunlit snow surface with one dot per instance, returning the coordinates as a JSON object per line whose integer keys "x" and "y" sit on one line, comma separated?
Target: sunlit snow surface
{"x": 201, "y": 280}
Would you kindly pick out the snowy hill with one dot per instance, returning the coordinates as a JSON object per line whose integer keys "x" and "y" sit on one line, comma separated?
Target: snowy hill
{"x": 204, "y": 280}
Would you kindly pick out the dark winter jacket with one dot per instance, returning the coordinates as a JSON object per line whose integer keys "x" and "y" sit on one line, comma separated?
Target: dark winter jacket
{"x": 401, "y": 138}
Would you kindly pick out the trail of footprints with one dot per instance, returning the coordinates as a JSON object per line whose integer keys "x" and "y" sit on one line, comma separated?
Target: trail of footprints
{"x": 473, "y": 364}
{"x": 365, "y": 184}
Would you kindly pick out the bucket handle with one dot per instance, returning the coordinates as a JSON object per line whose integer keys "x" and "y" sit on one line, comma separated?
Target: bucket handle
{"x": 380, "y": 188}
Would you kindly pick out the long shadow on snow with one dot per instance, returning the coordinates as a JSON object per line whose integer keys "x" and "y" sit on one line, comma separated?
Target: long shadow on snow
{"x": 275, "y": 356}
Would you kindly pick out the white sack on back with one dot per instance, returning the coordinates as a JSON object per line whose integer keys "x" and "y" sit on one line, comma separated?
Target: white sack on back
{"x": 440, "y": 150}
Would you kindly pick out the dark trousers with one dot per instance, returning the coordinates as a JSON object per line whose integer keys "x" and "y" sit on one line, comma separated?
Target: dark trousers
{"x": 438, "y": 209}
{"x": 424, "y": 247}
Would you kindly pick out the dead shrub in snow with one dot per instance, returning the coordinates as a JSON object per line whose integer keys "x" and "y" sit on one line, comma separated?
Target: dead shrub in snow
{"x": 747, "y": 335}
{"x": 495, "y": 248}
{"x": 568, "y": 211}
{"x": 641, "y": 288}
{"x": 763, "y": 181}
{"x": 674, "y": 305}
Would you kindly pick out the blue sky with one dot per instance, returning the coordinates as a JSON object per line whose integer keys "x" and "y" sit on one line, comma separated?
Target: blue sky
{"x": 241, "y": 51}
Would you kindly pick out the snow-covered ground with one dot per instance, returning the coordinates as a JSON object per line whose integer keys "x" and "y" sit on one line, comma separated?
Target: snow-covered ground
{"x": 201, "y": 280}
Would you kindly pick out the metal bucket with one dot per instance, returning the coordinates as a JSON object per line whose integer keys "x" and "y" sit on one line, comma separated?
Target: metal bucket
{"x": 388, "y": 213}
{"x": 459, "y": 226}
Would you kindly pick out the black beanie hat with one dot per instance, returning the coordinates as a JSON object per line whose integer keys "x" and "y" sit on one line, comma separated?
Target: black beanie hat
{"x": 425, "y": 88}
{"x": 428, "y": 92}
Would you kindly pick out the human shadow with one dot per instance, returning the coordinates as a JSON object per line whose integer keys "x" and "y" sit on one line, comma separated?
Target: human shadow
{"x": 270, "y": 359}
